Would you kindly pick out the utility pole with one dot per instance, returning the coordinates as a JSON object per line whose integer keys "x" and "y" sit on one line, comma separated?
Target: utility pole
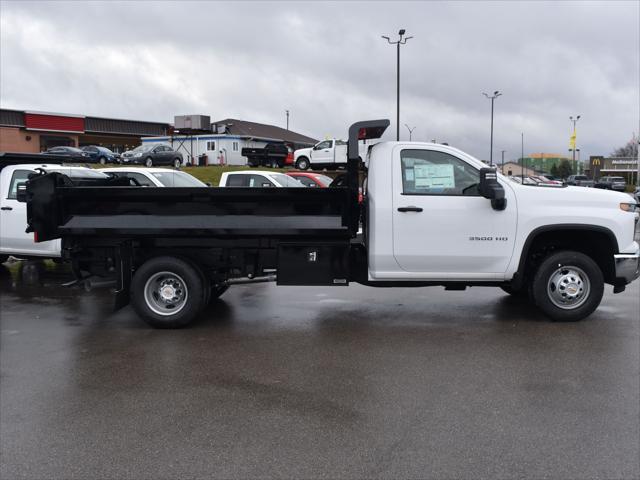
{"x": 522, "y": 158}
{"x": 287, "y": 119}
{"x": 410, "y": 130}
{"x": 400, "y": 41}
{"x": 495, "y": 95}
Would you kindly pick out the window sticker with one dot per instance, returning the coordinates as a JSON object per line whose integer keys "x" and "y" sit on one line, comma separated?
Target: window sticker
{"x": 434, "y": 176}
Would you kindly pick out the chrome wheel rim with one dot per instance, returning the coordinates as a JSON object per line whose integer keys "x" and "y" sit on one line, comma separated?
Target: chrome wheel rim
{"x": 166, "y": 293}
{"x": 149, "y": 162}
{"x": 568, "y": 287}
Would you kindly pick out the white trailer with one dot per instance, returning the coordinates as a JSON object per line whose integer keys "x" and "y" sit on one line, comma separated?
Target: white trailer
{"x": 220, "y": 149}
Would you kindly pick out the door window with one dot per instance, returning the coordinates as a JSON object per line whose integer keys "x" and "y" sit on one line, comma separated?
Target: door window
{"x": 428, "y": 172}
{"x": 260, "y": 181}
{"x": 306, "y": 181}
{"x": 19, "y": 176}
{"x": 238, "y": 180}
{"x": 323, "y": 145}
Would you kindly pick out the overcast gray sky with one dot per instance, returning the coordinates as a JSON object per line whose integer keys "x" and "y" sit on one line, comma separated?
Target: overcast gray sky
{"x": 327, "y": 64}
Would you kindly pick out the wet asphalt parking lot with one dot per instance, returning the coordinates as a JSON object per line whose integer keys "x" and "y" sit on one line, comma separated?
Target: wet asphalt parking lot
{"x": 315, "y": 383}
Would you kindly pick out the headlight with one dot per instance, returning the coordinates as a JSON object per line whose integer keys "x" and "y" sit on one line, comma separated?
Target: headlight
{"x": 629, "y": 207}
{"x": 138, "y": 155}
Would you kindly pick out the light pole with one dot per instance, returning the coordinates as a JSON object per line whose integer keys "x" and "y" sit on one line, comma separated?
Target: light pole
{"x": 495, "y": 95}
{"x": 287, "y": 111}
{"x": 573, "y": 137}
{"x": 410, "y": 130}
{"x": 400, "y": 41}
{"x": 522, "y": 157}
{"x": 502, "y": 167}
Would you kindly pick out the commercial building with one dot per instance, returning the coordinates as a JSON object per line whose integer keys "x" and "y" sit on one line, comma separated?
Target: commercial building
{"x": 626, "y": 167}
{"x": 223, "y": 141}
{"x": 543, "y": 162}
{"x": 33, "y": 132}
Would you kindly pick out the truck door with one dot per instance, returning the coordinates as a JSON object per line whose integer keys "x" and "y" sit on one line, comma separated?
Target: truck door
{"x": 442, "y": 227}
{"x": 13, "y": 218}
{"x": 322, "y": 153}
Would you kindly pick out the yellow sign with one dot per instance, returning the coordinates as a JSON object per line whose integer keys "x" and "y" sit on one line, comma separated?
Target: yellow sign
{"x": 595, "y": 162}
{"x": 572, "y": 140}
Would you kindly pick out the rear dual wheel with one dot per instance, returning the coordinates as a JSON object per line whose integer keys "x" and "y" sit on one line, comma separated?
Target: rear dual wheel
{"x": 168, "y": 292}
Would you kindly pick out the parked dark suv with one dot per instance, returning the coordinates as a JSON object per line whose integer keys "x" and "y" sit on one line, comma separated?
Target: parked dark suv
{"x": 612, "y": 183}
{"x": 152, "y": 154}
{"x": 101, "y": 155}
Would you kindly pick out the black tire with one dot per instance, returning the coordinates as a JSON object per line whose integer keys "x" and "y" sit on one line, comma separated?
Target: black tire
{"x": 102, "y": 161}
{"x": 567, "y": 274}
{"x": 148, "y": 162}
{"x": 148, "y": 302}
{"x": 177, "y": 163}
{"x": 303, "y": 163}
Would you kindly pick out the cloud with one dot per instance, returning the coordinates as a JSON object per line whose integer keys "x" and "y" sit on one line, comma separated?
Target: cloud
{"x": 327, "y": 64}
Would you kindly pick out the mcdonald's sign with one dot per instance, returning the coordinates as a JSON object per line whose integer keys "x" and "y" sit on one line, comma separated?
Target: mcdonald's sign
{"x": 596, "y": 165}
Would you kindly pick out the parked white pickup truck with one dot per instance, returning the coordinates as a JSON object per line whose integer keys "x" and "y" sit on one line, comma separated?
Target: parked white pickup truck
{"x": 329, "y": 154}
{"x": 13, "y": 238}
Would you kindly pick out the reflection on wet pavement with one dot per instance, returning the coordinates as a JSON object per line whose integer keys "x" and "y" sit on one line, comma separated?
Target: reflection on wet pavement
{"x": 308, "y": 382}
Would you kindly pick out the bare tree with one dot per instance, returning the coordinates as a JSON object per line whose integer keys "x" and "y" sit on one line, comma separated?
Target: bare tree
{"x": 629, "y": 150}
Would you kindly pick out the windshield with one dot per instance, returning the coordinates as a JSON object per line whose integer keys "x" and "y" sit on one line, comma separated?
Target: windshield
{"x": 142, "y": 148}
{"x": 286, "y": 180}
{"x": 177, "y": 179}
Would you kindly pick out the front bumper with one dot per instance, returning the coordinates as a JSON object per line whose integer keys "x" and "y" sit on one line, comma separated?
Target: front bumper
{"x": 627, "y": 267}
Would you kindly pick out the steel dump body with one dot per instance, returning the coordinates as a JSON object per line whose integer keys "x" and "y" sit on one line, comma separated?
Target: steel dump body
{"x": 124, "y": 212}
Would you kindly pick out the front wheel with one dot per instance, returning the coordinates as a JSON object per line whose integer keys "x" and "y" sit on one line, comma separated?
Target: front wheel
{"x": 103, "y": 161}
{"x": 167, "y": 292}
{"x": 568, "y": 286}
{"x": 303, "y": 163}
{"x": 177, "y": 163}
{"x": 149, "y": 162}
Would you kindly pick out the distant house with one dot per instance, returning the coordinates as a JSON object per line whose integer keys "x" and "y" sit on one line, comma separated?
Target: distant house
{"x": 515, "y": 170}
{"x": 224, "y": 142}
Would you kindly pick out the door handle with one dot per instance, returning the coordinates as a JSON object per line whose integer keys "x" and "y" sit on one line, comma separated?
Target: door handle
{"x": 409, "y": 209}
{"x": 6, "y": 208}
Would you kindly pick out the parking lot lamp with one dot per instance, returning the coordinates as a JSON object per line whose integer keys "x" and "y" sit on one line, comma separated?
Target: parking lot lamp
{"x": 495, "y": 95}
{"x": 502, "y": 167}
{"x": 287, "y": 119}
{"x": 400, "y": 41}
{"x": 410, "y": 130}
